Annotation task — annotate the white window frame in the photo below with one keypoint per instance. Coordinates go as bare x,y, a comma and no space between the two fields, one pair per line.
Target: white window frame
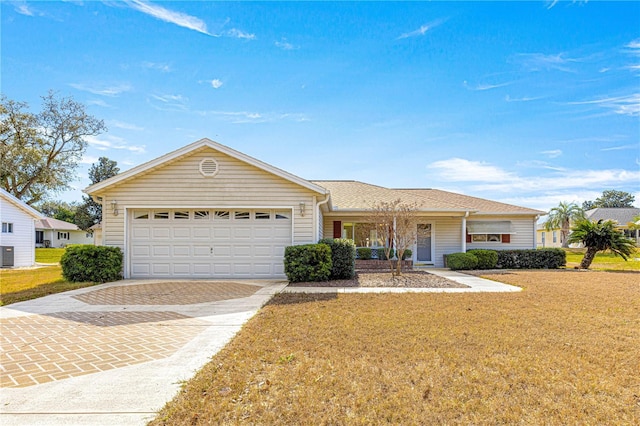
7,227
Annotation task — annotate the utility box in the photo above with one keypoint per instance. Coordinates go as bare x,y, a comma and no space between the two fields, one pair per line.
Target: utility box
7,256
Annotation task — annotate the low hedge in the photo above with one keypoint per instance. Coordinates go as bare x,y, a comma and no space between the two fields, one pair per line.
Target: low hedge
487,259
89,263
461,261
343,257
309,262
382,256
546,258
364,253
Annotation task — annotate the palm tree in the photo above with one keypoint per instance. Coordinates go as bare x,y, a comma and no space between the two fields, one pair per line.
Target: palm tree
599,236
562,217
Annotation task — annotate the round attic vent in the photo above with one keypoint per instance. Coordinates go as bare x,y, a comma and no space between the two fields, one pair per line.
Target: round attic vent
209,167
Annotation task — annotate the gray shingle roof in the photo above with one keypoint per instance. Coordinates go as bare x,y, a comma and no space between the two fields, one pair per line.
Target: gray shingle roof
621,215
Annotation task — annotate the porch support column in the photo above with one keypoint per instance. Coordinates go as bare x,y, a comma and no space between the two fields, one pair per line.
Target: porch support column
463,234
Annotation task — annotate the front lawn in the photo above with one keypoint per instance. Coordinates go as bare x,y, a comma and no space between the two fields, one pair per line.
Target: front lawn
604,260
563,351
30,283
49,255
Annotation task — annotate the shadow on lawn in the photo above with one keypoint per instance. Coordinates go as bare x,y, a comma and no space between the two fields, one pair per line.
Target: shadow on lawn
296,298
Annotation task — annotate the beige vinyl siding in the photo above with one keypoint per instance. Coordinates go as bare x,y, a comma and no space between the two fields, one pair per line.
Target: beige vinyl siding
448,238
180,184
522,239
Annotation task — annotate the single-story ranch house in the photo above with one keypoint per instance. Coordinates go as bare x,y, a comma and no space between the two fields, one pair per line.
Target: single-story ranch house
58,233
208,211
17,239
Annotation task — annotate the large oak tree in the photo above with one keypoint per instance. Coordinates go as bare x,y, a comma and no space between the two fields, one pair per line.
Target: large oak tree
39,153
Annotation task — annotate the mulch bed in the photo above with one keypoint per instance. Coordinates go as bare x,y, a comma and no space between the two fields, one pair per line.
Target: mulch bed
408,279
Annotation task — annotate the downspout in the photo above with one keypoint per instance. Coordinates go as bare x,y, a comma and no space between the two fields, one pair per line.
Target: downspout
535,232
464,232
316,228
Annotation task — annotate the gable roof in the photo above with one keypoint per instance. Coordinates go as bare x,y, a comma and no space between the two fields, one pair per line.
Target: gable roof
59,225
350,195
188,149
622,215
10,198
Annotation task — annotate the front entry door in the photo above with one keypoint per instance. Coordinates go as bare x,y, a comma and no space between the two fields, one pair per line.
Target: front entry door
424,243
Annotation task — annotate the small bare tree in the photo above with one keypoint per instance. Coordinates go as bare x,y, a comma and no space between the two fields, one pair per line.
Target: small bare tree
395,223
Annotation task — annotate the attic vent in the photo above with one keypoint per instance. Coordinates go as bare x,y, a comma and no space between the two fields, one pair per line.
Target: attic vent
209,167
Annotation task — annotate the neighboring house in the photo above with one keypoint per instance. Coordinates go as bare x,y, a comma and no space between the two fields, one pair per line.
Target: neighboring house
208,211
546,239
622,215
17,238
58,233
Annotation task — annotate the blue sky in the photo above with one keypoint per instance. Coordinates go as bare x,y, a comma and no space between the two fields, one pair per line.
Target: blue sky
530,103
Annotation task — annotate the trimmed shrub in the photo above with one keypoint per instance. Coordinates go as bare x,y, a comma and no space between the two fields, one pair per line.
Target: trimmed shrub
383,256
88,263
343,258
364,253
309,262
546,258
461,261
407,254
487,259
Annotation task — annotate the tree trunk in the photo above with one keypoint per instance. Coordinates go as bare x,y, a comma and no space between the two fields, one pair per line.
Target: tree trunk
588,258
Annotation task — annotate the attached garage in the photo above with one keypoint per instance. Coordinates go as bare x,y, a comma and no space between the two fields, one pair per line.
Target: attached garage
209,242
207,211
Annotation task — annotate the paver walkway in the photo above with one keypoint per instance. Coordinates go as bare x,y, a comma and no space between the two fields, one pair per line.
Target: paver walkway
115,353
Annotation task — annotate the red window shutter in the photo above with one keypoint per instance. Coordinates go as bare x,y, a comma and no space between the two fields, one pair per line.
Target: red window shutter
337,229
506,238
468,236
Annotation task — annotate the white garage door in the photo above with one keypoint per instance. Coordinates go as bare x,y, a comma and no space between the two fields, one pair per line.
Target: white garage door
208,243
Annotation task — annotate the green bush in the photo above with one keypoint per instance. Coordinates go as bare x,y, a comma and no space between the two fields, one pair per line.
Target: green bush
407,254
343,258
487,259
364,253
383,256
461,261
89,263
309,262
546,258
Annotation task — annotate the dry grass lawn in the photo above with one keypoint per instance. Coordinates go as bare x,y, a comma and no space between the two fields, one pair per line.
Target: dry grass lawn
563,351
17,285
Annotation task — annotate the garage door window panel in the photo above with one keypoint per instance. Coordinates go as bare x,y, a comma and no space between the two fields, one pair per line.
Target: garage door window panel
201,215
140,215
161,215
242,215
263,215
181,215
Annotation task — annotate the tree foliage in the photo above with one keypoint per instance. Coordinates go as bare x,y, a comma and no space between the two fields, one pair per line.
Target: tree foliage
39,153
611,199
599,236
396,224
561,217
89,212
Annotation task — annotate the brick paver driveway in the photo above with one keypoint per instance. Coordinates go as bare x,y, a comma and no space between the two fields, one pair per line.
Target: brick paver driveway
114,354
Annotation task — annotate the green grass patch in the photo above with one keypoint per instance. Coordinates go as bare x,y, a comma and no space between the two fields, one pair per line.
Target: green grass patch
49,255
25,284
606,261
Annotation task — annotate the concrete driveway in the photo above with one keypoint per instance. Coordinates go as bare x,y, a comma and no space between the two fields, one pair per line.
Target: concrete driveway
115,353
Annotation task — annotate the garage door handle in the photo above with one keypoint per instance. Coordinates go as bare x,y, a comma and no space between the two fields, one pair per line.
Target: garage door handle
211,250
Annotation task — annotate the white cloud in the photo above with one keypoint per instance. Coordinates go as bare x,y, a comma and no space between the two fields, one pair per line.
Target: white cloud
173,17
461,170
541,61
553,153
169,102
555,185
88,159
23,8
422,30
157,66
236,33
124,125
620,147
242,117
285,45
634,44
107,142
623,105
216,84
523,99
111,91
485,86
